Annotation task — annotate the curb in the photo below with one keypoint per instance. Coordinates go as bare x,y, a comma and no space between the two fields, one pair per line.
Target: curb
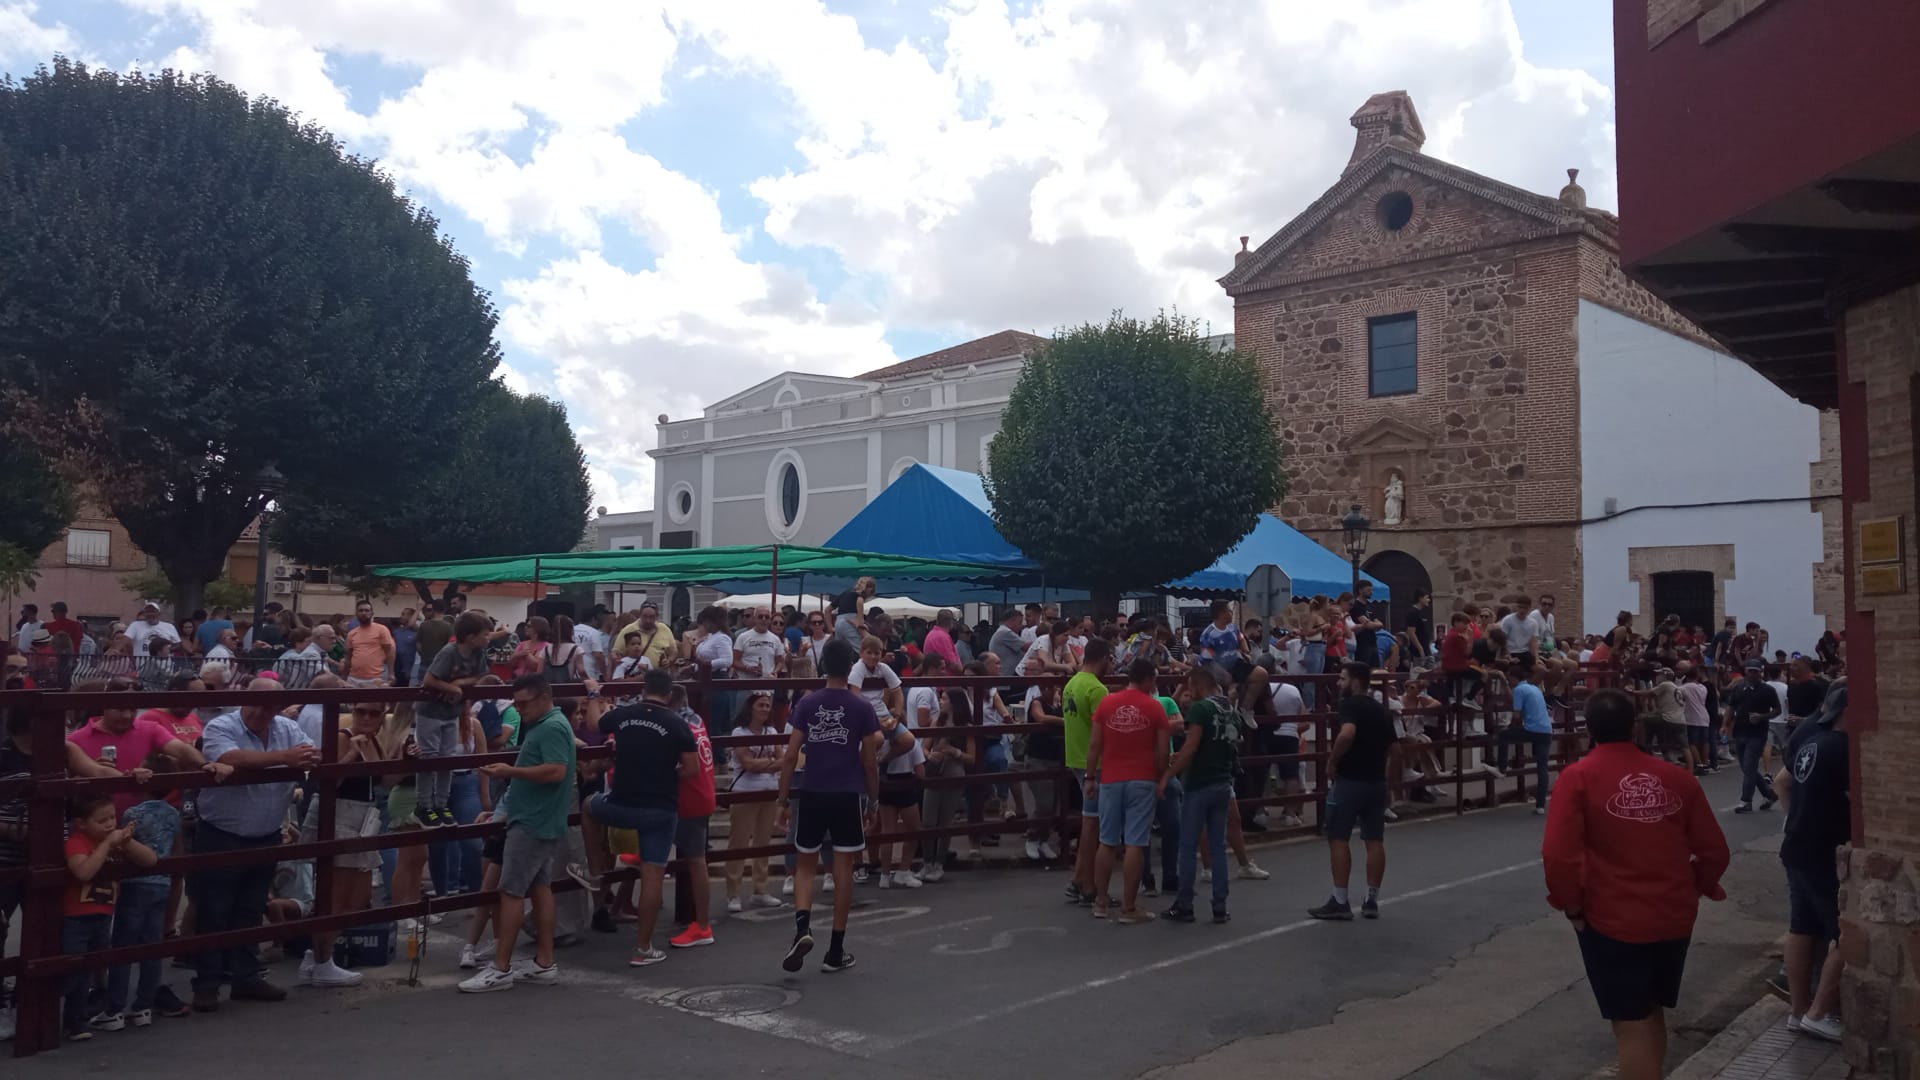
1714,1057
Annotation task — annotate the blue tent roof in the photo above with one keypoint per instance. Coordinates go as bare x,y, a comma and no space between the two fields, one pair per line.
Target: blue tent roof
937,513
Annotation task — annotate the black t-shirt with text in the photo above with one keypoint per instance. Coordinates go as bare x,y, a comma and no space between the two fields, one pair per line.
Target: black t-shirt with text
1366,647
648,739
1753,704
1366,759
1420,624
1819,811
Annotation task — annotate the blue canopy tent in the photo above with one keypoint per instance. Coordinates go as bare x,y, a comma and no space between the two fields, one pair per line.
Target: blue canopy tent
936,513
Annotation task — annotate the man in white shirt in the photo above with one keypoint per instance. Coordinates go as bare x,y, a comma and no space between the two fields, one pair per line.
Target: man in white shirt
147,626
757,650
29,625
1523,629
590,634
1777,728
1286,740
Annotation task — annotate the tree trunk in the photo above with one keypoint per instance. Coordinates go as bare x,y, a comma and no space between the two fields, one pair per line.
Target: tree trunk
1105,601
189,593
424,589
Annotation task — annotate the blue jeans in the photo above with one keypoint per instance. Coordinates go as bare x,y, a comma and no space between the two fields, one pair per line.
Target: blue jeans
1750,748
1316,661
140,918
1204,808
1541,743
1167,813
455,864
81,934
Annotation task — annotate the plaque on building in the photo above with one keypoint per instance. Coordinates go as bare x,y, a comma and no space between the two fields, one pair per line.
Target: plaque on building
1882,540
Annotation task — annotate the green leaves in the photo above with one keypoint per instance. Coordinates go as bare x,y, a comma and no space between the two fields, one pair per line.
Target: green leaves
1132,454
36,504
194,285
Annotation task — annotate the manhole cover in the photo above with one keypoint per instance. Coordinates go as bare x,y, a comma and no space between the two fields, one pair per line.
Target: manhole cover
743,999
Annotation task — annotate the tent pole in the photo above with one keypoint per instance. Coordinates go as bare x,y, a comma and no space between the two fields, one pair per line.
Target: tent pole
536,579
773,593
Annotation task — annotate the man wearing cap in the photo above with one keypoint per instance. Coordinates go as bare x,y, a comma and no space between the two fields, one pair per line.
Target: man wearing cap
1751,706
147,626
657,642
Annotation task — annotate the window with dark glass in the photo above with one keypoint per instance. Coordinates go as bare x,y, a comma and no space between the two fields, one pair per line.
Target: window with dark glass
789,494
1391,356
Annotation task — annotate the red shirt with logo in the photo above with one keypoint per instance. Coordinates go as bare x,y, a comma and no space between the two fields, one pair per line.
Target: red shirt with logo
1632,845
1130,722
697,799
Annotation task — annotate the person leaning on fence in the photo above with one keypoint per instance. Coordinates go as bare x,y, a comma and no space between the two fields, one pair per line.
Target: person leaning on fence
539,798
241,817
1631,846
436,719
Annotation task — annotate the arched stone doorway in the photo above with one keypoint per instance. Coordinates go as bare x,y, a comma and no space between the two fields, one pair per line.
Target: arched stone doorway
1405,577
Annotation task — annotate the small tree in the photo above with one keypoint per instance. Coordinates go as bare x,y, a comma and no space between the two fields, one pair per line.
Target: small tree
1132,454
515,483
195,286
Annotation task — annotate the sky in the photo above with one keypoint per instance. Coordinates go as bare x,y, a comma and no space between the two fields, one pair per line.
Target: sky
672,200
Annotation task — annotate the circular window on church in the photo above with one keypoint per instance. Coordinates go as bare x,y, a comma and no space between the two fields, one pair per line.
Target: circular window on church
1395,210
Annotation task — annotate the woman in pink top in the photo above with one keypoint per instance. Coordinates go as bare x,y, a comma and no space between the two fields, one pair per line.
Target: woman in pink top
118,739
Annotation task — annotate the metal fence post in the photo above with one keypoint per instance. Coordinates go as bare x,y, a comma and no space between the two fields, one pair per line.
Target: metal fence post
38,997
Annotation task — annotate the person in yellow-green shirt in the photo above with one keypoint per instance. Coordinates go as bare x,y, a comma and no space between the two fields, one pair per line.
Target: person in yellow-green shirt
657,642
1082,696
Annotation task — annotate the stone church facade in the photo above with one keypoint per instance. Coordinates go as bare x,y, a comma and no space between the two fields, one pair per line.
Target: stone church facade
1425,328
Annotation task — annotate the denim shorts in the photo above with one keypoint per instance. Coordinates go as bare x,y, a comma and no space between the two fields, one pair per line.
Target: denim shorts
1089,808
654,827
1126,812
1356,802
1813,899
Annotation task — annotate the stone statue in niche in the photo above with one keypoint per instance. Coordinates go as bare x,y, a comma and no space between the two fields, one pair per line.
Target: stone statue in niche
1394,505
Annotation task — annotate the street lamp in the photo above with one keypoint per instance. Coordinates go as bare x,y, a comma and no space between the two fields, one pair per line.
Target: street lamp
268,482
1355,526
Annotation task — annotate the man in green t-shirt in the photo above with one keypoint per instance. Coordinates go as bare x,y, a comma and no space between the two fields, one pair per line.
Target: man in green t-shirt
1082,696
539,797
1205,767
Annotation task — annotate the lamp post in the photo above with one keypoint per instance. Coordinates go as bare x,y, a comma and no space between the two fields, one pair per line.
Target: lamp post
269,483
1355,526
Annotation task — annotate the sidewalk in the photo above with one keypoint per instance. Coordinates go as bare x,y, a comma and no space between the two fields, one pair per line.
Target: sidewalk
1758,1046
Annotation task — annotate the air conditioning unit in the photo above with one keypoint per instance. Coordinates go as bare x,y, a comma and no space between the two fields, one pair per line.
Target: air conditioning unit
281,571
282,588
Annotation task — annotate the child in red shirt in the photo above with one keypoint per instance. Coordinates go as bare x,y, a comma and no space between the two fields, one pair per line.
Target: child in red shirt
95,838
1631,846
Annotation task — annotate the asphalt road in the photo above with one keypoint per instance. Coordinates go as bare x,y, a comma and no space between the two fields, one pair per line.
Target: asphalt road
1466,975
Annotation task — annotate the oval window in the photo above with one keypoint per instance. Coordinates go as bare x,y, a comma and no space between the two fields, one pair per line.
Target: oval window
789,493
686,503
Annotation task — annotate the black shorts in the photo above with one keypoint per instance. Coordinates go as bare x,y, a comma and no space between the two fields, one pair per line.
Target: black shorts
1356,802
493,848
900,791
1522,664
823,817
1630,981
1813,899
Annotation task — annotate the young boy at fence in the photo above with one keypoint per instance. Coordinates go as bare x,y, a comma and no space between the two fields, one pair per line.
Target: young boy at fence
436,721
139,916
95,838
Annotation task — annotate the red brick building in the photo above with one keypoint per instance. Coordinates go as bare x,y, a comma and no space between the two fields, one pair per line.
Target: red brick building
1424,329
1770,183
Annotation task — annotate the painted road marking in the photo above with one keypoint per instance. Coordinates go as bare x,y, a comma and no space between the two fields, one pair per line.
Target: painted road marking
895,939
1002,940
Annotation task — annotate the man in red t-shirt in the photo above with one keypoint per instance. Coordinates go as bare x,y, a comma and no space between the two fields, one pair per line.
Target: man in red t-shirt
1127,753
1631,847
61,624
697,803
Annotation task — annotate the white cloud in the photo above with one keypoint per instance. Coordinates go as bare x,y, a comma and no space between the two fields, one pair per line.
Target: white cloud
1024,165
23,38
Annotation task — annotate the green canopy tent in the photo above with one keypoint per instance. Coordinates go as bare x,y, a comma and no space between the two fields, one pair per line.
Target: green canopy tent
732,568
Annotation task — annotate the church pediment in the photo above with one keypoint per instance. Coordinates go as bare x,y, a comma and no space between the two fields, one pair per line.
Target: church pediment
1388,435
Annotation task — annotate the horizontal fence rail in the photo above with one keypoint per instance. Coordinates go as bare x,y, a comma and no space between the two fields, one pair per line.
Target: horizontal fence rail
48,790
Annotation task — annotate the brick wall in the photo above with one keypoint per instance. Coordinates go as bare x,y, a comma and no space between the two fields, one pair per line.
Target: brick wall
1880,898
1489,444
1829,574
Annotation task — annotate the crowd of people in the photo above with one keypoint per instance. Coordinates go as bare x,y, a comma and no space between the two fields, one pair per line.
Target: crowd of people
838,766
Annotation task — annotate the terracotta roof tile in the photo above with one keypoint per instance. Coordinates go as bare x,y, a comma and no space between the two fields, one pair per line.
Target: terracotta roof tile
978,351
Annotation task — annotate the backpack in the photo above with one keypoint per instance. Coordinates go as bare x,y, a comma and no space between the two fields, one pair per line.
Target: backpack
559,669
1234,724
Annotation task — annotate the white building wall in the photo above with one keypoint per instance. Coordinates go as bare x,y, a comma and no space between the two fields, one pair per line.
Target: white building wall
1666,422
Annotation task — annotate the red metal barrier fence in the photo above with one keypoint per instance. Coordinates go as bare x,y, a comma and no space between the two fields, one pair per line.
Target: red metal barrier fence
41,967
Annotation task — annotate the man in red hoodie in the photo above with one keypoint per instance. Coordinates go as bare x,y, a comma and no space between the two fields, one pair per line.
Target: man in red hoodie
1631,847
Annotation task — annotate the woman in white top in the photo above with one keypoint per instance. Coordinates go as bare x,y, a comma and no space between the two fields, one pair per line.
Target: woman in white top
1050,654
756,768
805,663
712,653
904,765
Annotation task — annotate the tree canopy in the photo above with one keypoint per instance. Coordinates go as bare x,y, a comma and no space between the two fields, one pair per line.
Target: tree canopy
36,504
515,482
1132,453
195,286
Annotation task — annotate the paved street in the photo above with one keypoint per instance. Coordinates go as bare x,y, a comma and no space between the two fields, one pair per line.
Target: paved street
1467,975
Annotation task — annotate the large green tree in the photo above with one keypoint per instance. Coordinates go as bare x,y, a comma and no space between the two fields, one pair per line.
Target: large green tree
1132,453
515,482
36,503
195,286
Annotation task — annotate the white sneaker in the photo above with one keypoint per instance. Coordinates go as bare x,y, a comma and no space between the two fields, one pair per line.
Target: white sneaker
1251,872
1793,1022
762,900
786,887
1206,875
1291,821
532,972
886,880
1539,811
1048,851
468,959
1822,1027
330,974
1412,775
1391,816
140,1018
826,882
905,879
306,968
1033,850
734,905
933,872
7,1023
488,980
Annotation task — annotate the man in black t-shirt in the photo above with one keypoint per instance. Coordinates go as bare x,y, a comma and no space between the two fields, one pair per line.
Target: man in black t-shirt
1751,705
1814,783
1359,792
652,746
1805,692
1420,629
1366,647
